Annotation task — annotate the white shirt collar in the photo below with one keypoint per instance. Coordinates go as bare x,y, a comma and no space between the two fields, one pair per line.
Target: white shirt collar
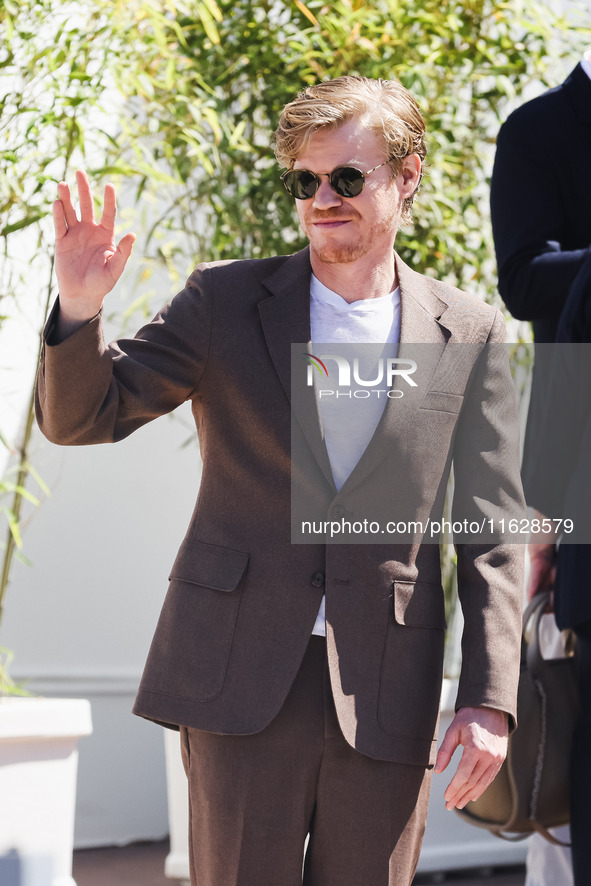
322,293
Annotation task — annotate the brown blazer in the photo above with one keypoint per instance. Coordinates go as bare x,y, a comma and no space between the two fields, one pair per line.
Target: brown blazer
242,598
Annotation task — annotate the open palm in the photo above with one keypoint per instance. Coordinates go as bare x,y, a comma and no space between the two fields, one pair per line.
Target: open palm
88,261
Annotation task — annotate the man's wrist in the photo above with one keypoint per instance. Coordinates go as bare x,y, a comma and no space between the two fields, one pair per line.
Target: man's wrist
68,322
494,717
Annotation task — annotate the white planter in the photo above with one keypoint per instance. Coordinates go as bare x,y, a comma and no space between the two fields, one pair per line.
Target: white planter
38,766
450,843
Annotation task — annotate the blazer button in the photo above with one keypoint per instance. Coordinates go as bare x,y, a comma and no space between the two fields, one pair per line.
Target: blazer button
317,580
338,511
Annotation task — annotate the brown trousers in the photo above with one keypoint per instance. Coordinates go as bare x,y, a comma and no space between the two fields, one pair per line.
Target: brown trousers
253,799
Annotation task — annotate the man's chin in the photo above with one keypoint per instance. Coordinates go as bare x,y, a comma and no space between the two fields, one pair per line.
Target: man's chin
337,254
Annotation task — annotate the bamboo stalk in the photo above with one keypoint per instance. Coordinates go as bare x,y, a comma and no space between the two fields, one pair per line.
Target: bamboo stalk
23,459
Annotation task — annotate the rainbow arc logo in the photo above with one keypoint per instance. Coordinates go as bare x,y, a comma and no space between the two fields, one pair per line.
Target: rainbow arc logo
317,363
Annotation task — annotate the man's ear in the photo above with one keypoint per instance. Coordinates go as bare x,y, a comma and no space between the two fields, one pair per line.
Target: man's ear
411,174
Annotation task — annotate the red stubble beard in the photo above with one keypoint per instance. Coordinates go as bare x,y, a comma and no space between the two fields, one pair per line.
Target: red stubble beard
359,240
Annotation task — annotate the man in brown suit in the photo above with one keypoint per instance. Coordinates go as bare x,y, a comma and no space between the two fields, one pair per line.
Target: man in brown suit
305,678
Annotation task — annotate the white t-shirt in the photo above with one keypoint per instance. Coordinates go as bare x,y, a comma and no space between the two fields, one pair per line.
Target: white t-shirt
348,424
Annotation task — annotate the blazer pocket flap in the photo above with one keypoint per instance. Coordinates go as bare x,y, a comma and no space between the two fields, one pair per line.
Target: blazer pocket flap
418,604
442,402
211,566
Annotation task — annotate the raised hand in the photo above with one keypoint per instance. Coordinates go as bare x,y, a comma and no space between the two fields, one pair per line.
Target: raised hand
88,262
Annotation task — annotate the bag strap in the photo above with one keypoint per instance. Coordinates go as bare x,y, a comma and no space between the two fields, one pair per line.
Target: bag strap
540,829
548,836
510,838
535,664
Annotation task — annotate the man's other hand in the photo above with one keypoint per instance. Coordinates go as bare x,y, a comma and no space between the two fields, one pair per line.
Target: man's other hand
483,734
88,261
542,559
542,569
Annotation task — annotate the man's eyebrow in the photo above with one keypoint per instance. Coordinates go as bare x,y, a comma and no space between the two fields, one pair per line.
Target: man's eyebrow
358,164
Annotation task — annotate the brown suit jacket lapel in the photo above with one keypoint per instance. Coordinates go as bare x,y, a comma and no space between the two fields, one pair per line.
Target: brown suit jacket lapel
426,320
285,317
421,322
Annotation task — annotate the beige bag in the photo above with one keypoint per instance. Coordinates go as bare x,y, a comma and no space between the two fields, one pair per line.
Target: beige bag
531,792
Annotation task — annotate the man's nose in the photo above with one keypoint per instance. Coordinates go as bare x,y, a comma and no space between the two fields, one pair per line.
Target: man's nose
325,197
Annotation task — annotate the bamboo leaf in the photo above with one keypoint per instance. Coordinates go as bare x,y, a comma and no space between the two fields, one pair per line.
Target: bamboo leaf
215,10
212,118
22,491
209,24
40,482
12,525
3,439
305,11
22,224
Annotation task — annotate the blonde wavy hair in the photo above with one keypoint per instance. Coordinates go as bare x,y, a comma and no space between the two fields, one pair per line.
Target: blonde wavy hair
383,106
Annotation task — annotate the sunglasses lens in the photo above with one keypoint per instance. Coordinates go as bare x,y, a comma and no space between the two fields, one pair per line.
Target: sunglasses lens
301,183
347,181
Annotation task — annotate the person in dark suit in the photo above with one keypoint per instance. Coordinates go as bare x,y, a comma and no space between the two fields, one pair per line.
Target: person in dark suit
540,196
560,487
540,204
305,678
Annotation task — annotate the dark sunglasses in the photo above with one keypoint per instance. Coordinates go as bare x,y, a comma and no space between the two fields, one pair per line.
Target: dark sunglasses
347,181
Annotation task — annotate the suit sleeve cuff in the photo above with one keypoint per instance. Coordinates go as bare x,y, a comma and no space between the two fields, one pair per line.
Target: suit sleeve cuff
50,333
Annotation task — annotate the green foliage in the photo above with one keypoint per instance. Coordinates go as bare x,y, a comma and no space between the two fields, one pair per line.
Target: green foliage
53,62
207,109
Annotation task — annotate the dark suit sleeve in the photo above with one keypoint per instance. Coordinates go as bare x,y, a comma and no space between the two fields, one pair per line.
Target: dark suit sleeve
528,216
90,392
561,453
